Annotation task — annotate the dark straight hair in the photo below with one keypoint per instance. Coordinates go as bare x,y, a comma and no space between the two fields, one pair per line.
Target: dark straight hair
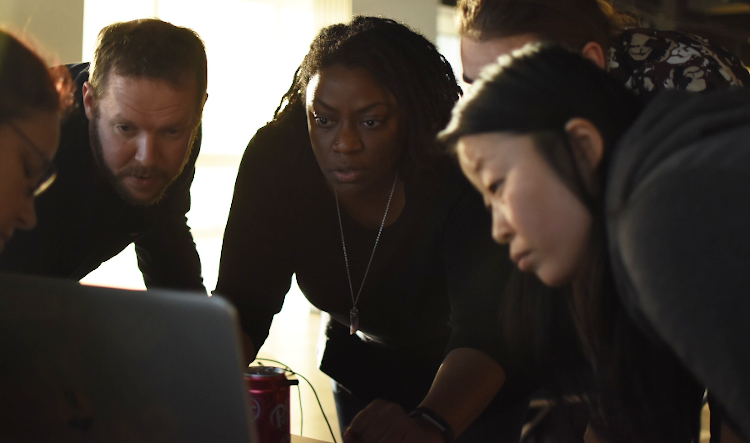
635,389
536,91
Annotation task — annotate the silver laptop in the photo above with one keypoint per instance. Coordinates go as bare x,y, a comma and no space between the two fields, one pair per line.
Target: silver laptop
84,364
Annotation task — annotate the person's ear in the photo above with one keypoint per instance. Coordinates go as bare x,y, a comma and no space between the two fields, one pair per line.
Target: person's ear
586,141
594,52
89,102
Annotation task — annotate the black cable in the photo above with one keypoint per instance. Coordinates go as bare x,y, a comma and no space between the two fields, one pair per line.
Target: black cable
320,405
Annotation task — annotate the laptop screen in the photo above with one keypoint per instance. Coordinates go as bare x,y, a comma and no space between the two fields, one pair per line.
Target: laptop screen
85,363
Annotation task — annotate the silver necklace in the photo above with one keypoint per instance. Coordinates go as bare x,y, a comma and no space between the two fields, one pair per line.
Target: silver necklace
354,313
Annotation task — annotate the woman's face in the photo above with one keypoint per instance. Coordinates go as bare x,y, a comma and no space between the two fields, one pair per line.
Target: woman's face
26,147
545,224
355,130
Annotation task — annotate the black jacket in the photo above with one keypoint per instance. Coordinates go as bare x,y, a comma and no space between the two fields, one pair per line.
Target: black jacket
678,212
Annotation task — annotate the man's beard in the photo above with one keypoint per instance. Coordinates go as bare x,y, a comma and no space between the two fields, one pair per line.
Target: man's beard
136,170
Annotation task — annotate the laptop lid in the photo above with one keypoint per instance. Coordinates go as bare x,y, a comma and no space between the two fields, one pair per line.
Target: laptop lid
85,363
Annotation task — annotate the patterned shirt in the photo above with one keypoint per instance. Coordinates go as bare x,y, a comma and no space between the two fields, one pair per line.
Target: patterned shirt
648,61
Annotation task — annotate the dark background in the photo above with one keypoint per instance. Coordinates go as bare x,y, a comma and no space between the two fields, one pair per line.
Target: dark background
724,22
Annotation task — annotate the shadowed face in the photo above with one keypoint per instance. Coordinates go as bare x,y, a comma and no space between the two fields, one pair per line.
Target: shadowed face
355,129
26,148
141,131
545,224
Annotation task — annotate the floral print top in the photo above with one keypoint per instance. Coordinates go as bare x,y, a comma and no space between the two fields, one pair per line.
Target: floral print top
648,61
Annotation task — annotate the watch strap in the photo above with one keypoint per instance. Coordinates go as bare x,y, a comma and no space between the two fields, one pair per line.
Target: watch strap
434,419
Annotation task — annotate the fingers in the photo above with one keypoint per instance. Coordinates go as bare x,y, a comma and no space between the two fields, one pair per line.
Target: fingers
372,422
386,422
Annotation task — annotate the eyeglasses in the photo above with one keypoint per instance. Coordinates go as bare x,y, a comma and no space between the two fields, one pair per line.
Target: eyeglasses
49,173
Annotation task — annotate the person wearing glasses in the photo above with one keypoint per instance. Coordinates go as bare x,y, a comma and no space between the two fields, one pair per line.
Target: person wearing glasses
125,161
31,100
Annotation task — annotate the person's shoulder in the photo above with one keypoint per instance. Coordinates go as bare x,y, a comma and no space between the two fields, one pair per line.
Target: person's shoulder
279,146
700,115
650,38
75,123
78,68
650,60
79,72
676,130
278,137
274,133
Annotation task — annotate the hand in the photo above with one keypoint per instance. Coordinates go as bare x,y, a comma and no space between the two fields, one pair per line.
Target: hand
386,422
591,436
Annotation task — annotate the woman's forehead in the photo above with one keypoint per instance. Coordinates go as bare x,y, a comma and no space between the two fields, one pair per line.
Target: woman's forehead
355,87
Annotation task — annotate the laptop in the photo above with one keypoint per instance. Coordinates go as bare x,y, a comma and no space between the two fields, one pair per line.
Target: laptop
91,364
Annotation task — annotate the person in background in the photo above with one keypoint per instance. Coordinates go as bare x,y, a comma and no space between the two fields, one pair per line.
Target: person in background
644,60
32,99
643,213
125,161
347,189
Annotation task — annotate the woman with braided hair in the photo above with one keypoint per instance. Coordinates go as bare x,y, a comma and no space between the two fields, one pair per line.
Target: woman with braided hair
346,187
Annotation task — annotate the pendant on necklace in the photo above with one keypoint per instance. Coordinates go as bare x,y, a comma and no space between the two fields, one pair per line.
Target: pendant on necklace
353,321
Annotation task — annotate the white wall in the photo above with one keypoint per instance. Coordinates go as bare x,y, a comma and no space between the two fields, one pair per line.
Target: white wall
421,15
56,24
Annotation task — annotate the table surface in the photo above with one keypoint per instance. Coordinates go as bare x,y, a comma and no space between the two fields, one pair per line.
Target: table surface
298,439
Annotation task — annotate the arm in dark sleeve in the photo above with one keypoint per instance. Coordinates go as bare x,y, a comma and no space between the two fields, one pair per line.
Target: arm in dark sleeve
684,245
167,256
477,271
255,270
475,369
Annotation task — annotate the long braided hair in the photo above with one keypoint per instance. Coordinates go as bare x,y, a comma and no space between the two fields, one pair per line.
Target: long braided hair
403,61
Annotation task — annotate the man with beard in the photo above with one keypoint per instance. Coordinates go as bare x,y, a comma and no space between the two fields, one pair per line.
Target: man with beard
126,161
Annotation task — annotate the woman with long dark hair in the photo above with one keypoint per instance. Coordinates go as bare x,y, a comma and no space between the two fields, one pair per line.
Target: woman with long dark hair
643,213
346,187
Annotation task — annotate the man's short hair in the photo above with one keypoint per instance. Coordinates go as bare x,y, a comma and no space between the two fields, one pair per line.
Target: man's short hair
150,48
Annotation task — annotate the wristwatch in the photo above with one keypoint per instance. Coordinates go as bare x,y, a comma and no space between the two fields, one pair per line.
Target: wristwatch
432,417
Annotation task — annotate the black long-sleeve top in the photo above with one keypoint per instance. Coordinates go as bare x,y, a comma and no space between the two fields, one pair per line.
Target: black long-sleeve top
82,222
678,212
434,285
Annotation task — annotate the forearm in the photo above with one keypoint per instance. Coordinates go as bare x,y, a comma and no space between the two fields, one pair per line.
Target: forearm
465,384
167,258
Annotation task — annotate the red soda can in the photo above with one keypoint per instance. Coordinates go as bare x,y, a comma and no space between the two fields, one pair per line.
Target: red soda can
269,399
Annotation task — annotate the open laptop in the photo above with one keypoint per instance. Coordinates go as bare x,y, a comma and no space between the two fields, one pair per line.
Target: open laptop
84,364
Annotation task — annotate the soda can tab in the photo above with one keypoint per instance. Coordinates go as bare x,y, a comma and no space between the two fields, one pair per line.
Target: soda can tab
269,399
